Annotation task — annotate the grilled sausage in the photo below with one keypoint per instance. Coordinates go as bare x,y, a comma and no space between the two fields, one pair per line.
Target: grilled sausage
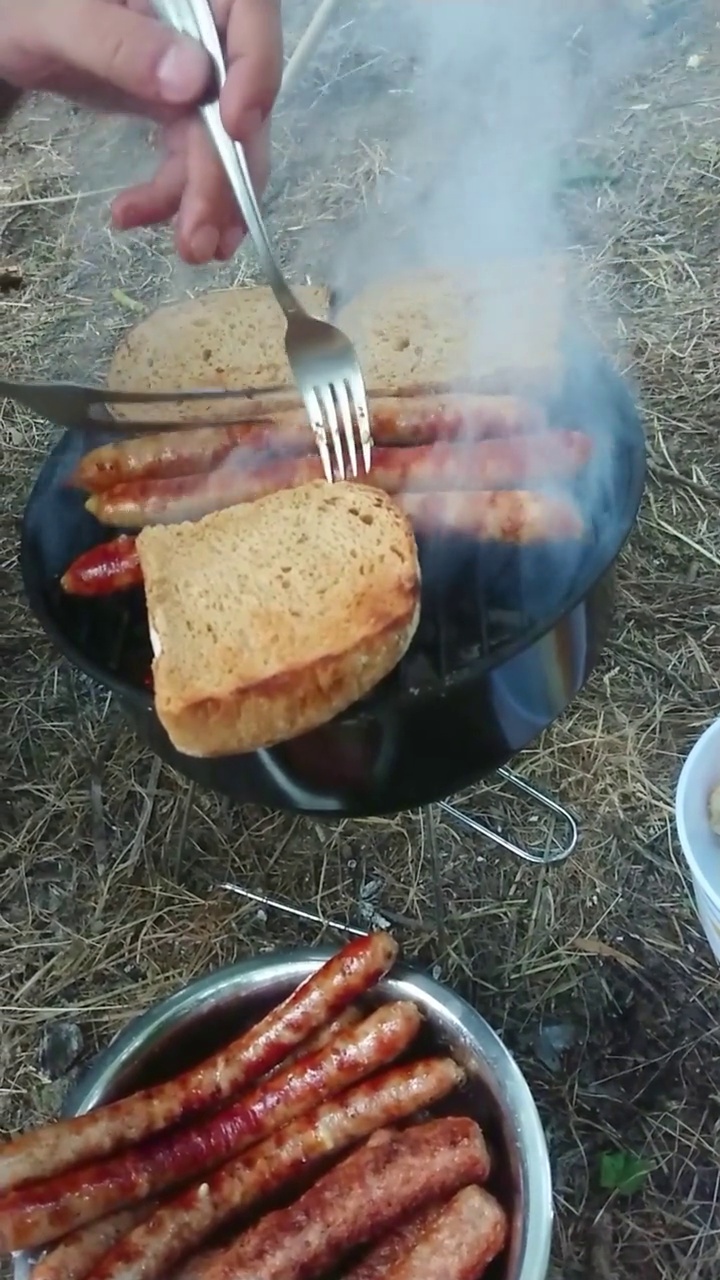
513,516
75,1256
165,454
340,982
425,419
348,1018
491,464
181,1225
82,1195
356,1202
395,420
459,1244
393,1247
194,1267
111,566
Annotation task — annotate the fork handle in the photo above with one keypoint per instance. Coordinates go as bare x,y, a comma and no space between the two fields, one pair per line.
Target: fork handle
196,18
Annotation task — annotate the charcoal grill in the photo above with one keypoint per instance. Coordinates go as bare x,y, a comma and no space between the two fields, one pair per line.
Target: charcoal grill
507,639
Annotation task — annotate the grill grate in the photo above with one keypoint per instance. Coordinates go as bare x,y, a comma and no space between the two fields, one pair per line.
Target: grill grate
470,615
480,602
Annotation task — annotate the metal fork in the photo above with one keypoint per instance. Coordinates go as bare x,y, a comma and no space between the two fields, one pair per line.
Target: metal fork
70,404
323,360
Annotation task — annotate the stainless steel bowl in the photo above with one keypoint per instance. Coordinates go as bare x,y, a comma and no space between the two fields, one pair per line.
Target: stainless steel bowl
186,1027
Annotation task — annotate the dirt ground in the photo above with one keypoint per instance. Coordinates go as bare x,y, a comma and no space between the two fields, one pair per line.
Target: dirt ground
595,972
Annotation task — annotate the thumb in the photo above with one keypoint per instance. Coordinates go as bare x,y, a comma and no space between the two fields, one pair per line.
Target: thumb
132,52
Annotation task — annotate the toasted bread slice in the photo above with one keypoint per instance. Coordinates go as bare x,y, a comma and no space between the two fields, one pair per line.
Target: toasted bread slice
270,618
499,329
231,338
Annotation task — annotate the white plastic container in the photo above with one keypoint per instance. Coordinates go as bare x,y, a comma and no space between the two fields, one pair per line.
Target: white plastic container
699,776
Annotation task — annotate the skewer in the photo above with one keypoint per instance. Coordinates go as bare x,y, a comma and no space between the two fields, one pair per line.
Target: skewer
307,44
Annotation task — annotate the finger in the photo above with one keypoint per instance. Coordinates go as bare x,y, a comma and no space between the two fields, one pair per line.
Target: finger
254,46
92,92
151,202
257,150
130,51
229,243
208,207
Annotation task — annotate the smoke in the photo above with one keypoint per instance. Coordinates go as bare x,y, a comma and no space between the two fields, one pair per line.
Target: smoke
499,95
500,92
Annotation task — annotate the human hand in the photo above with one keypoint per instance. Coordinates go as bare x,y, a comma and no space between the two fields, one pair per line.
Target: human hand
113,55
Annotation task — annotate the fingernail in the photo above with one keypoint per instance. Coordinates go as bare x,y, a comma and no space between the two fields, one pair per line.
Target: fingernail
183,71
204,243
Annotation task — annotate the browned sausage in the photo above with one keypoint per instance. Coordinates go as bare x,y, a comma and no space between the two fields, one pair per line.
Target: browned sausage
348,1018
514,516
165,454
459,1244
396,420
357,1202
111,566
396,1245
194,1267
82,1195
75,1256
181,1225
340,982
424,419
491,464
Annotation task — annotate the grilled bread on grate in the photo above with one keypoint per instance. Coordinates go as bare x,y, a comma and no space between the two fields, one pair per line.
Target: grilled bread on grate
498,329
231,338
270,618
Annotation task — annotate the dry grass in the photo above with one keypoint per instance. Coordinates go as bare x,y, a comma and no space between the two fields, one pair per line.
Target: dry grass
109,867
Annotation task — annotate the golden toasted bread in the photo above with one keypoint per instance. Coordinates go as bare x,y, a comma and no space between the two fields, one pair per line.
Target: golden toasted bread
268,619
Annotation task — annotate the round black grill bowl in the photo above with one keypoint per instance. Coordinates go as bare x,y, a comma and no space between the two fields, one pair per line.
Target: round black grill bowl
507,638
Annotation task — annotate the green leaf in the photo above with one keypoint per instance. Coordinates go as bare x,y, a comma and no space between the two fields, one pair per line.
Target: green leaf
622,1172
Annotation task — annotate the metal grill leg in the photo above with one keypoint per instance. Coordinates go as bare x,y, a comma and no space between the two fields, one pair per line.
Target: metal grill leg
541,857
296,913
429,819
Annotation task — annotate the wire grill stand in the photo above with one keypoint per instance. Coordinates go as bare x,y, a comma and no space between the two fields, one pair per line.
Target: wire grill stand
541,857
550,855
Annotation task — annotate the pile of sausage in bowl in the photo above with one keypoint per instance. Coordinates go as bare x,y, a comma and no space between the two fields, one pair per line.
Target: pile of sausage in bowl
303,1116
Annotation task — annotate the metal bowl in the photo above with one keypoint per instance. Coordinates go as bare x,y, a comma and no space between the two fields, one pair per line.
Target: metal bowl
188,1026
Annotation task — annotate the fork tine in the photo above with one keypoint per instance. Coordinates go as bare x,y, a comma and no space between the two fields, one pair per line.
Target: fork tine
328,404
317,422
358,396
343,403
